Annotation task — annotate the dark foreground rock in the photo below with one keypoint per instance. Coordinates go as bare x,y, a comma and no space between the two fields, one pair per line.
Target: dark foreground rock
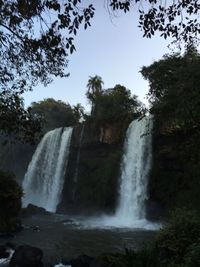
80,261
27,256
31,210
3,252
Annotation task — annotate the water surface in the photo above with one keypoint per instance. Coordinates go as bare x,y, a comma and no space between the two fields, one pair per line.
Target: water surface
60,236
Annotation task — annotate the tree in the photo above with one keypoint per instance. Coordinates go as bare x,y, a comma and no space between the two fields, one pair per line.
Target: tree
54,114
10,203
94,90
175,90
116,105
41,33
176,19
78,111
15,121
36,36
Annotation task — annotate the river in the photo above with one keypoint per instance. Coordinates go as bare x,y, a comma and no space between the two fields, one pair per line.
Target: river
60,236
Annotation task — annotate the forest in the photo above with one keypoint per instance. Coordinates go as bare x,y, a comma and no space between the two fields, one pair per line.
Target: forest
98,137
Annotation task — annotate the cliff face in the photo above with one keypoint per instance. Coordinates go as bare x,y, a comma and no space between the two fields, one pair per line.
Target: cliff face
91,182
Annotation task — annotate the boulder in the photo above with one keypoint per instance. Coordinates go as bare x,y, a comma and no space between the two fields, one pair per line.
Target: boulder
3,252
27,256
33,210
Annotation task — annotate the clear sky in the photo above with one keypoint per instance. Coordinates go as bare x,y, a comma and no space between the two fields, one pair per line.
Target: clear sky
111,48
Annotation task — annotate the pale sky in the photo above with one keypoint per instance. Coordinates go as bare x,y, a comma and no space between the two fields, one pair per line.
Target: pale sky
111,48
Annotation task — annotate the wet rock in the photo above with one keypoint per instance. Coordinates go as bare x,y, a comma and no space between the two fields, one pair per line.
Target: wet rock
33,210
27,256
3,252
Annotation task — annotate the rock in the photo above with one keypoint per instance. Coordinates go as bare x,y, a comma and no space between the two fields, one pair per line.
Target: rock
10,245
81,261
100,261
3,252
33,210
154,210
27,256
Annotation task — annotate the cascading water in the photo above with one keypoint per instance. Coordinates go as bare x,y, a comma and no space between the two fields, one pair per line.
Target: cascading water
135,167
75,179
78,154
43,181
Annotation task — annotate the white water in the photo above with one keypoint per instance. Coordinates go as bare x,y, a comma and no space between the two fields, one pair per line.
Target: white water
43,181
5,261
135,167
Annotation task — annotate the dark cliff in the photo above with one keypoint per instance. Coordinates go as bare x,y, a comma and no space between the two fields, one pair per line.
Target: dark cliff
91,182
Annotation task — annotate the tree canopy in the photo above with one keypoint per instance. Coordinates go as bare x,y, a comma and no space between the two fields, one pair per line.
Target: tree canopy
54,114
175,89
15,120
36,37
176,19
117,105
95,89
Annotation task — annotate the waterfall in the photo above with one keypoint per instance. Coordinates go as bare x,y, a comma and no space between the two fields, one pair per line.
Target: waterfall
79,153
75,179
135,167
43,181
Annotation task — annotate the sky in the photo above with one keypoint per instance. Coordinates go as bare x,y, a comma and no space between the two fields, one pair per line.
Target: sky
113,48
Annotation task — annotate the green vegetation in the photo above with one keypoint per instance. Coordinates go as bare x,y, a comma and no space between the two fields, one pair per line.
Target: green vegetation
175,102
175,90
116,105
44,51
10,203
98,174
55,114
112,110
176,245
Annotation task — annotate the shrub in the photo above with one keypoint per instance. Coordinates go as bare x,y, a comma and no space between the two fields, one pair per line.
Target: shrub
10,203
173,241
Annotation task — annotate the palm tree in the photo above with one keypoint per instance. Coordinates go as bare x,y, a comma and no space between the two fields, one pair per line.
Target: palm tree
95,88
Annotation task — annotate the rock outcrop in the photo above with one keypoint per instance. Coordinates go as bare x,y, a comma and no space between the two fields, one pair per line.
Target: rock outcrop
91,182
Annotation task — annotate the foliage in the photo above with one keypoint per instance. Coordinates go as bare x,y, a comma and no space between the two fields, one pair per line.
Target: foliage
116,105
54,113
174,178
79,113
192,258
15,121
175,90
35,37
141,258
94,90
98,172
173,240
10,203
177,19
43,51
